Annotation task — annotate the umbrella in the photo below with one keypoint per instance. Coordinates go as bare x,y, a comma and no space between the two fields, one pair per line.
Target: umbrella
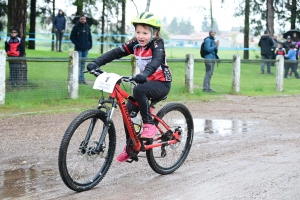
90,21
291,33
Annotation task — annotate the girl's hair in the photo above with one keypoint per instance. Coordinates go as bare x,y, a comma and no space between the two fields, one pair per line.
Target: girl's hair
146,26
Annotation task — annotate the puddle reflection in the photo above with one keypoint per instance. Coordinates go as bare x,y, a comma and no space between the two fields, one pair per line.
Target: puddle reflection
16,183
221,127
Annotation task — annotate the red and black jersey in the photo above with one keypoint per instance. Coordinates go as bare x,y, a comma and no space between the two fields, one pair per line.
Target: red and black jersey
15,47
280,51
151,59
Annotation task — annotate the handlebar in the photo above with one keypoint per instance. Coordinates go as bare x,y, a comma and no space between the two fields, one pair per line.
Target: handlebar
98,71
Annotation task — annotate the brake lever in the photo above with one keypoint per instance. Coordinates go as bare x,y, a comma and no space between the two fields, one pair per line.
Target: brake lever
129,79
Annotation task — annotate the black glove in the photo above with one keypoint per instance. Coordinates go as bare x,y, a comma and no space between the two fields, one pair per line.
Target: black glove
140,78
91,66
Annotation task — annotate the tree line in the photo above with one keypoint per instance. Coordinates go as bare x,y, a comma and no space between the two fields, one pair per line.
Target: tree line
258,15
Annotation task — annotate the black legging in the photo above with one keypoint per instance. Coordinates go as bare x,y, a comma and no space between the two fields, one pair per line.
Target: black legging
142,93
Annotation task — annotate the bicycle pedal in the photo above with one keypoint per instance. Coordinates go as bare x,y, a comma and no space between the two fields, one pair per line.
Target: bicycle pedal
132,159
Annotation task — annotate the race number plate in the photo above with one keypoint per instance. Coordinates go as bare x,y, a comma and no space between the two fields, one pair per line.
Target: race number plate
106,82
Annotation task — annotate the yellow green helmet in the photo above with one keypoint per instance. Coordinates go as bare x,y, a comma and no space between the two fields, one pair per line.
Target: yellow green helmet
147,18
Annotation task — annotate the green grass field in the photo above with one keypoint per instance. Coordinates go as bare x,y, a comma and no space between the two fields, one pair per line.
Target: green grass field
47,82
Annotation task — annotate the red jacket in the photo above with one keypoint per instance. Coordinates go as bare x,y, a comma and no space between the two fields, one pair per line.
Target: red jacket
150,59
280,51
15,47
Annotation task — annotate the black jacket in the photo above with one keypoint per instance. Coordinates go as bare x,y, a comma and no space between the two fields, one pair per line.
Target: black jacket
286,45
81,37
266,43
59,22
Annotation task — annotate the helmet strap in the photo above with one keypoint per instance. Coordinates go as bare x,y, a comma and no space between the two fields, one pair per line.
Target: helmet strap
152,32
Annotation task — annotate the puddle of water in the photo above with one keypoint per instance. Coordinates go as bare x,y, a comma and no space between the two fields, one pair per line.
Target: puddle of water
221,127
16,183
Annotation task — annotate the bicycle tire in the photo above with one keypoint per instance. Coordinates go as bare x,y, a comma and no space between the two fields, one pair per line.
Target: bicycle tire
79,168
175,115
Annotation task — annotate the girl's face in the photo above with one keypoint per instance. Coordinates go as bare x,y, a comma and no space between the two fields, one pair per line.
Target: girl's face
143,34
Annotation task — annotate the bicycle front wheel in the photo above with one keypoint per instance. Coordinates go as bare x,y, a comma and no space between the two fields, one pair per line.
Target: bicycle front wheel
81,165
167,159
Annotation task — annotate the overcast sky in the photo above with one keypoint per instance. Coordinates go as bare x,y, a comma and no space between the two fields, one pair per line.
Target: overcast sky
192,9
187,9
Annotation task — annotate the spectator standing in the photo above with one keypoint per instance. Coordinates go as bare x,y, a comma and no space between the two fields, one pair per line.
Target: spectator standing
286,45
275,46
81,37
266,43
280,50
211,48
59,24
298,46
15,47
295,38
292,56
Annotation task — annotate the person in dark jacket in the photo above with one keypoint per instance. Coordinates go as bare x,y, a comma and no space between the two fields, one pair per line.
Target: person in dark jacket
81,37
287,43
15,47
275,46
211,47
266,43
59,25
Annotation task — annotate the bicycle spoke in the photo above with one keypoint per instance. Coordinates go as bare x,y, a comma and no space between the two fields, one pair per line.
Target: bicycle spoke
84,165
167,159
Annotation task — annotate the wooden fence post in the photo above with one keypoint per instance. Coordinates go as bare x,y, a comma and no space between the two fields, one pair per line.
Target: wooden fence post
189,73
279,72
73,74
236,73
2,76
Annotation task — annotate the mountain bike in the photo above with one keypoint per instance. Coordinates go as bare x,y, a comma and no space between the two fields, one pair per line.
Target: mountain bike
88,146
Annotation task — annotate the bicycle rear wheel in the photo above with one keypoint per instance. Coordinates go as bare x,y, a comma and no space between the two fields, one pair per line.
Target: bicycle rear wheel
166,160
80,167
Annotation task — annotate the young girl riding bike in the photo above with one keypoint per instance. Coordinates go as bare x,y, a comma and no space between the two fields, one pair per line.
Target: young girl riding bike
154,78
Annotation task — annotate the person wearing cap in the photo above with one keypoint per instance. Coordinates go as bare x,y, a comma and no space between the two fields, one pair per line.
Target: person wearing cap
287,43
211,47
14,47
59,25
266,43
154,77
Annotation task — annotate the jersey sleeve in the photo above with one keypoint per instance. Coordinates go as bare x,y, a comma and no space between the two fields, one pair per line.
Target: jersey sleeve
116,53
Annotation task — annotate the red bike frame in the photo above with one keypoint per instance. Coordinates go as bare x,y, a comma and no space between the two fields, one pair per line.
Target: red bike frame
119,94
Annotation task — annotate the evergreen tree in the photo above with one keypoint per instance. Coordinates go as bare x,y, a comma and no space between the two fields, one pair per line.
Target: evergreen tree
185,27
173,27
206,25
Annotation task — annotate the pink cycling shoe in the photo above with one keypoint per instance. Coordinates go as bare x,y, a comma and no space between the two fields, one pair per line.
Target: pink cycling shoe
149,131
122,157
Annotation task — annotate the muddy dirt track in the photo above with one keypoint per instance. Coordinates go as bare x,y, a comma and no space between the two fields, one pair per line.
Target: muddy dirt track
244,148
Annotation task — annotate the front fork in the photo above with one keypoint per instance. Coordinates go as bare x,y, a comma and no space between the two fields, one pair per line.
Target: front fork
108,113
